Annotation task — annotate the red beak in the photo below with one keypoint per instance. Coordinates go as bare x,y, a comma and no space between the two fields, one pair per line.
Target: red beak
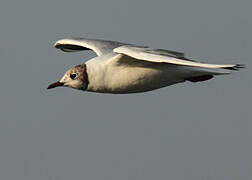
56,84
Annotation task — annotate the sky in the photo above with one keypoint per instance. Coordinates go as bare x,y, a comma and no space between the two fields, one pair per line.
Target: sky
192,131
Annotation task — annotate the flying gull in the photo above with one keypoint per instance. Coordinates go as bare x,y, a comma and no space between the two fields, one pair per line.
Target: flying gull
121,68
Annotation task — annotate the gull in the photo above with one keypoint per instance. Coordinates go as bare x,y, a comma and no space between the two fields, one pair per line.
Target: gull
121,68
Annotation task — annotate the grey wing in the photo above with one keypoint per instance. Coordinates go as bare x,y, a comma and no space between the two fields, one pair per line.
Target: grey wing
165,52
100,47
165,56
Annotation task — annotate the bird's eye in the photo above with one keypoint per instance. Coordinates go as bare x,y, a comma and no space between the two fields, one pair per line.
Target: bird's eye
72,76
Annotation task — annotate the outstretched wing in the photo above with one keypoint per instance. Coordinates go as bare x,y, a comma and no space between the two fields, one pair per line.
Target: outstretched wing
100,47
164,56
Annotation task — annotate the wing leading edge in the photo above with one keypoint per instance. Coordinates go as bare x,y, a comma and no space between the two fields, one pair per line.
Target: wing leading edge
153,55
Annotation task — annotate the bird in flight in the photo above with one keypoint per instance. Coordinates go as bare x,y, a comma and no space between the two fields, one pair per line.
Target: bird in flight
121,68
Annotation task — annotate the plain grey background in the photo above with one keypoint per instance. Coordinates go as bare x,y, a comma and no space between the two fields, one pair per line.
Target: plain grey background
188,131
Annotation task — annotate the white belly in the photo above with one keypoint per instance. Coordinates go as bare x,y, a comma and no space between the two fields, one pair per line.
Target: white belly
132,78
139,79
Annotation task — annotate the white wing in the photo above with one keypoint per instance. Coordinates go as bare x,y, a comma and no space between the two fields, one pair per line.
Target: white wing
100,47
163,56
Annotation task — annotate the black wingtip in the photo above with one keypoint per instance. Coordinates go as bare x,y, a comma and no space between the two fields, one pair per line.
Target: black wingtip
70,47
236,67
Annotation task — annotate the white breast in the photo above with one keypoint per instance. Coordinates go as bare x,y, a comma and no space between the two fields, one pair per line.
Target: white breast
111,77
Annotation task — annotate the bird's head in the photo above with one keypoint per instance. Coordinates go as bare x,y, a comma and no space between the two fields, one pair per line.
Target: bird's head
76,78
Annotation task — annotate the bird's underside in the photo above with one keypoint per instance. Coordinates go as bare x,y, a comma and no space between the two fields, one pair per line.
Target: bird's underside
126,68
